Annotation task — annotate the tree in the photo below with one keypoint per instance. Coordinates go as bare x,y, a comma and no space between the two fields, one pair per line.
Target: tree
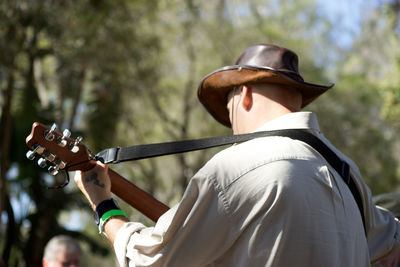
40,51
359,103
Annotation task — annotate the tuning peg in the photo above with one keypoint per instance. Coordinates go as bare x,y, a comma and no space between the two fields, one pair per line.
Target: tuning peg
53,170
49,156
42,163
32,153
74,146
49,135
62,141
59,165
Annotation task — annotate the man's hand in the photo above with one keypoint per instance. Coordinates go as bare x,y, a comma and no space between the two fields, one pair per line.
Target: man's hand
391,260
94,184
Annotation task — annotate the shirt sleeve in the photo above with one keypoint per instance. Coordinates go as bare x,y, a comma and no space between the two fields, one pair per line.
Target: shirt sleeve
383,229
192,233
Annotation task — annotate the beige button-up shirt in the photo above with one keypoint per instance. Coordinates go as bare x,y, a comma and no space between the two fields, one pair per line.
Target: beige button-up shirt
271,201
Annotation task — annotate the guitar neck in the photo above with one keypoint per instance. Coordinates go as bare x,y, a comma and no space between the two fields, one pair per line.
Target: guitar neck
136,197
47,141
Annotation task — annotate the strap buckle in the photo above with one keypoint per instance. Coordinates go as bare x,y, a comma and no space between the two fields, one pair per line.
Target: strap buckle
108,156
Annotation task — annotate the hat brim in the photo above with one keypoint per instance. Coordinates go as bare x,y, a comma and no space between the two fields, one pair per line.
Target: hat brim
215,87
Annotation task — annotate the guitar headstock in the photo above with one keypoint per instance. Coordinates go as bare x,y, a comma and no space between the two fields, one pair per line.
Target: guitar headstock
58,149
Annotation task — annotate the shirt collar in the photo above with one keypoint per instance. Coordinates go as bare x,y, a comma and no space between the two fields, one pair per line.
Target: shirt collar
295,120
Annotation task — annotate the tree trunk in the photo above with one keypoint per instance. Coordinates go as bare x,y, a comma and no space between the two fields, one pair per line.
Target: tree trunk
77,98
6,139
41,220
12,233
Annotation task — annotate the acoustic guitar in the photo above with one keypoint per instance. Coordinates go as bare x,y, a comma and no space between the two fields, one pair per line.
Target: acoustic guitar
64,153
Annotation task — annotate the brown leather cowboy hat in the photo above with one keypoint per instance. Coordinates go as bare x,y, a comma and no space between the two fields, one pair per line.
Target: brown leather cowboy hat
262,63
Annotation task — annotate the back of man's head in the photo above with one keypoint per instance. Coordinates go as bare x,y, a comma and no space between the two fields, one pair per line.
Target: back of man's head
62,250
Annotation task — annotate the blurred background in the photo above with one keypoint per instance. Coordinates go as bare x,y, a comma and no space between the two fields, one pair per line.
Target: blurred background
125,72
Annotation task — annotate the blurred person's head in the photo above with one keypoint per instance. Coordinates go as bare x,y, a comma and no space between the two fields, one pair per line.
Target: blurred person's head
62,251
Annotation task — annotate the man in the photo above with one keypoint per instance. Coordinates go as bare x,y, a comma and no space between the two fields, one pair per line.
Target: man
62,251
270,201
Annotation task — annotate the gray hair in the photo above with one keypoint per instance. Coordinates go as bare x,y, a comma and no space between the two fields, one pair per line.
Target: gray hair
60,243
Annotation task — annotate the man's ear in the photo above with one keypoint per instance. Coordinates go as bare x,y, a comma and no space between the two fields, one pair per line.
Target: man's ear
246,99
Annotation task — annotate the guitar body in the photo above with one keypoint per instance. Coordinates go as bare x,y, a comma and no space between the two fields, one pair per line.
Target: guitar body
65,153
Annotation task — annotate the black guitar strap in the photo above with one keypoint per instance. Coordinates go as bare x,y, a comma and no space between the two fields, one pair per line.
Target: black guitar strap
120,154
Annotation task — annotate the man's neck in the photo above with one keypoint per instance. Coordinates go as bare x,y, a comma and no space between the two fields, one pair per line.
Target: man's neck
256,121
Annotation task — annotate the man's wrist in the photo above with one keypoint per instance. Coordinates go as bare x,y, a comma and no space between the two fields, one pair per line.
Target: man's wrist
112,226
105,210
96,202
109,215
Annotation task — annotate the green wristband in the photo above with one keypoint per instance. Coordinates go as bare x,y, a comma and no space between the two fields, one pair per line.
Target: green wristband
107,215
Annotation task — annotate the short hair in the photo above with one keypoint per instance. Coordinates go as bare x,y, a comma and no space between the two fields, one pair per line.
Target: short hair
60,243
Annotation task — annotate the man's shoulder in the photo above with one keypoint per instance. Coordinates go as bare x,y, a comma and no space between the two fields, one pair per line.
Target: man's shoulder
239,158
268,148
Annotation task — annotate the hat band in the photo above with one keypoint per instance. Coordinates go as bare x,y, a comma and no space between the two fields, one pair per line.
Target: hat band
257,68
